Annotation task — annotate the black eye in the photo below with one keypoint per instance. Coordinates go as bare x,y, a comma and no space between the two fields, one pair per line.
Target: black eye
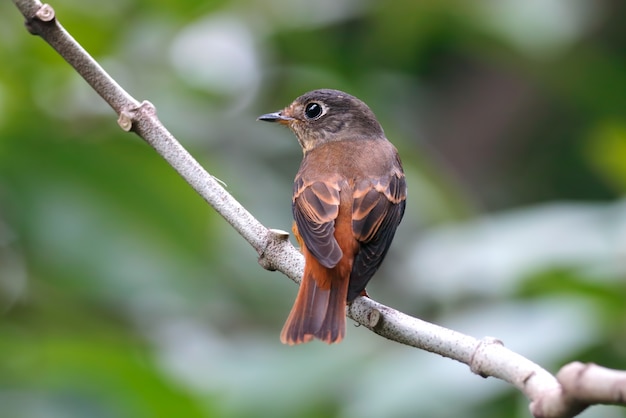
313,110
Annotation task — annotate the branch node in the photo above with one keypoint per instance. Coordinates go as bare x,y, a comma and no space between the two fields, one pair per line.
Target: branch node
275,237
477,360
125,120
130,115
375,317
45,13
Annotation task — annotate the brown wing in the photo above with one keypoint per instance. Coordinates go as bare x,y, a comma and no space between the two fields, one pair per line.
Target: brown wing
378,208
315,207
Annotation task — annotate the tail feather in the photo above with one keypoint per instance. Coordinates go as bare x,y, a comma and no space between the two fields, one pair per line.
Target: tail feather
317,312
333,327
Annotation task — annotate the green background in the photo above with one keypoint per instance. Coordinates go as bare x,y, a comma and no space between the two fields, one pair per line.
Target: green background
122,294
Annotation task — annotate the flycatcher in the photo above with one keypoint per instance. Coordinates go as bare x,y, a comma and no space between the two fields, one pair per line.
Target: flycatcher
348,199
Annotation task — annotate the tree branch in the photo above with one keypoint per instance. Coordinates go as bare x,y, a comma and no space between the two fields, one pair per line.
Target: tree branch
576,385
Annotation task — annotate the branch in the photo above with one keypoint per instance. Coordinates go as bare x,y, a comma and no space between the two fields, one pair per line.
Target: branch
593,384
577,386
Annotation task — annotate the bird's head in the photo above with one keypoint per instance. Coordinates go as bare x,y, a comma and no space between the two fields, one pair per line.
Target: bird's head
322,116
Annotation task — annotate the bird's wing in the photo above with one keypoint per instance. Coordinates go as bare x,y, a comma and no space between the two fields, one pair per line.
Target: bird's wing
378,207
315,208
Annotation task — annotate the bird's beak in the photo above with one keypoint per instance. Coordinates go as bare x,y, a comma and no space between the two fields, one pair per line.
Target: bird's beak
276,117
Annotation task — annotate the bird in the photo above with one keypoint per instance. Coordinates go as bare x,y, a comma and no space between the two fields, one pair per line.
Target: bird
349,196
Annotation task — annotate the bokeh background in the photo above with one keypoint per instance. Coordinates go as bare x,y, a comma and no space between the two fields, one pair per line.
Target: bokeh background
122,294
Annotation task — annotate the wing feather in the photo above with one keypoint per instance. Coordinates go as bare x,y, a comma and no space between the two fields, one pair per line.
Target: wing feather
315,208
377,211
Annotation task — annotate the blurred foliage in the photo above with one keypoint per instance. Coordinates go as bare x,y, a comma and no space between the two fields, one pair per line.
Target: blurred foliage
123,295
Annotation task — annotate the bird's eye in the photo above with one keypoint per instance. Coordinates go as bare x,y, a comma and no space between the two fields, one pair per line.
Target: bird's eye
313,110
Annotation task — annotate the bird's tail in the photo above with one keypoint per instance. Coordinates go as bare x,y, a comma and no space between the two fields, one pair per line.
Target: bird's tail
320,308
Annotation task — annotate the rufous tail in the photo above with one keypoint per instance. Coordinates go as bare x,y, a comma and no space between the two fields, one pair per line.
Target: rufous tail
319,311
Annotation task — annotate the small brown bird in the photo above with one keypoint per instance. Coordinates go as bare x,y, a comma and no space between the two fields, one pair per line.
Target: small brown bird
348,199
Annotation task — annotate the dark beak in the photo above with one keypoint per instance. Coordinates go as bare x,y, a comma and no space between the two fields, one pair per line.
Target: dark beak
275,117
